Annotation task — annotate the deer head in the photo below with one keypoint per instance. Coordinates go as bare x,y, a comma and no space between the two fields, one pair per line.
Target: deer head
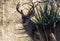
30,12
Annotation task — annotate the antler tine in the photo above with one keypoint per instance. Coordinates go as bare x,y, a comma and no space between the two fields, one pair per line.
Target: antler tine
17,8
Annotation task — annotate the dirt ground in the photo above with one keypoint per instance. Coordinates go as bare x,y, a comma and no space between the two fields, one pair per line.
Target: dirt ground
11,28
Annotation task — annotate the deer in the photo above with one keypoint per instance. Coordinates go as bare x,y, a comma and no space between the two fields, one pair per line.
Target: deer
28,24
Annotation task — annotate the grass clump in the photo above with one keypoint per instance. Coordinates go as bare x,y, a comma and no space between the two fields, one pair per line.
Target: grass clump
46,16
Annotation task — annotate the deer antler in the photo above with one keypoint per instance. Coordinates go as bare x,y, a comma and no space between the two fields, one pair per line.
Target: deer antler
17,8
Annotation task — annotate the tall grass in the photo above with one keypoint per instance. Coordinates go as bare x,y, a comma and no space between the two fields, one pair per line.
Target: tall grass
45,17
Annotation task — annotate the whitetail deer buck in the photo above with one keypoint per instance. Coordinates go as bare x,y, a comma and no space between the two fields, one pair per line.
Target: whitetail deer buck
30,26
